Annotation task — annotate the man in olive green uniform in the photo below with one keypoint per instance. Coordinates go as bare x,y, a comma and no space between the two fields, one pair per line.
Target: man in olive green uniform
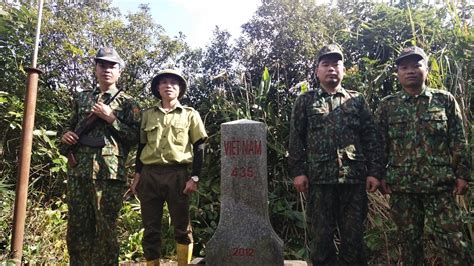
172,140
334,154
427,159
95,185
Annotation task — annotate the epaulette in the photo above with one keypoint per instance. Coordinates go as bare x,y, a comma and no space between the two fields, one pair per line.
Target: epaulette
86,91
438,91
124,95
388,97
352,92
188,107
150,107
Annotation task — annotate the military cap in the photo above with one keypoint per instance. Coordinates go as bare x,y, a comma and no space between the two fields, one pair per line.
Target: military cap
330,49
411,51
110,55
168,72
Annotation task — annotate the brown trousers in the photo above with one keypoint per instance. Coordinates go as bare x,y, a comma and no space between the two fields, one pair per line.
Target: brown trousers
159,184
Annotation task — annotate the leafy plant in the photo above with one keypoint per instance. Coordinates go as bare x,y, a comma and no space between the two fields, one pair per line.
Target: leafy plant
258,77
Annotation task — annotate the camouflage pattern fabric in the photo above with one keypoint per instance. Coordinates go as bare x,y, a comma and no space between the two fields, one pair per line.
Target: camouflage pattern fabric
409,210
93,208
96,185
425,143
108,162
333,138
334,142
333,208
426,150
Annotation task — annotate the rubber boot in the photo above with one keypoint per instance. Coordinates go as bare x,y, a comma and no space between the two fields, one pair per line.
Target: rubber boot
184,252
153,262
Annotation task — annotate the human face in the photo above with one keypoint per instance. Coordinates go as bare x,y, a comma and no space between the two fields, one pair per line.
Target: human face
168,87
107,73
330,71
412,72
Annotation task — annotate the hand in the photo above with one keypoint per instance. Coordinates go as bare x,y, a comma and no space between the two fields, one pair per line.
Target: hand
384,188
136,180
104,111
191,187
460,186
69,138
371,184
301,183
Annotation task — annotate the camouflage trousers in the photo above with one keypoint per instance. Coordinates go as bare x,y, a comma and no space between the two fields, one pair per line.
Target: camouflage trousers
439,212
337,210
93,208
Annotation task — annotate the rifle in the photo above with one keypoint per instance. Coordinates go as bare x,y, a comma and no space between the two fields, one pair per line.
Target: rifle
128,195
89,123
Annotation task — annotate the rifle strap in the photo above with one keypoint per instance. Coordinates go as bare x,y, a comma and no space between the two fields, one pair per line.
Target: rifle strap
104,97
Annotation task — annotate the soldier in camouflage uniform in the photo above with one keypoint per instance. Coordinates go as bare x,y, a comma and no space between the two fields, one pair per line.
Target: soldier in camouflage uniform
334,154
96,184
427,158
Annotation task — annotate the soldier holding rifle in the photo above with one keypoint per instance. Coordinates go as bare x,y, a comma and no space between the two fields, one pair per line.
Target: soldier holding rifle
102,128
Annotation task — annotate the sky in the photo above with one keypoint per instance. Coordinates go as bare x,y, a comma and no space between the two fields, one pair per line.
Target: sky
195,18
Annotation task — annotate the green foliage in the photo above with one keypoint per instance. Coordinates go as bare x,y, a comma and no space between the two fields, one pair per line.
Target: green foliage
45,228
131,232
7,196
258,77
45,233
13,43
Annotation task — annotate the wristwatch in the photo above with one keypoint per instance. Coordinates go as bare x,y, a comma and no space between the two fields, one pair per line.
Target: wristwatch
195,178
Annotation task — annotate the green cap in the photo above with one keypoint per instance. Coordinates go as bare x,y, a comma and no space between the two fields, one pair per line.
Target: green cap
110,55
328,50
412,51
168,72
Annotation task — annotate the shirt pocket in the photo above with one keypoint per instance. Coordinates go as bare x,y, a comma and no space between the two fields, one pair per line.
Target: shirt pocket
179,130
435,122
351,117
354,165
321,168
398,126
84,109
118,110
318,130
317,118
152,134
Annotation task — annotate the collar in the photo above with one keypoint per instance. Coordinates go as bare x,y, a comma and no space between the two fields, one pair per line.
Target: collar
178,105
112,91
425,92
339,91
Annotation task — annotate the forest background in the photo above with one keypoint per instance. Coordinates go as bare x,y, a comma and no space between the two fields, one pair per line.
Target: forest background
257,76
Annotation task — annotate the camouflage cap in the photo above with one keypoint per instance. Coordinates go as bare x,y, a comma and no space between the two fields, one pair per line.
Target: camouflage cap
411,51
168,72
330,49
110,55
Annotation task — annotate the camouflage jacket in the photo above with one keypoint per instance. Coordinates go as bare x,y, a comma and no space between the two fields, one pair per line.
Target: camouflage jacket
106,162
424,141
333,138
